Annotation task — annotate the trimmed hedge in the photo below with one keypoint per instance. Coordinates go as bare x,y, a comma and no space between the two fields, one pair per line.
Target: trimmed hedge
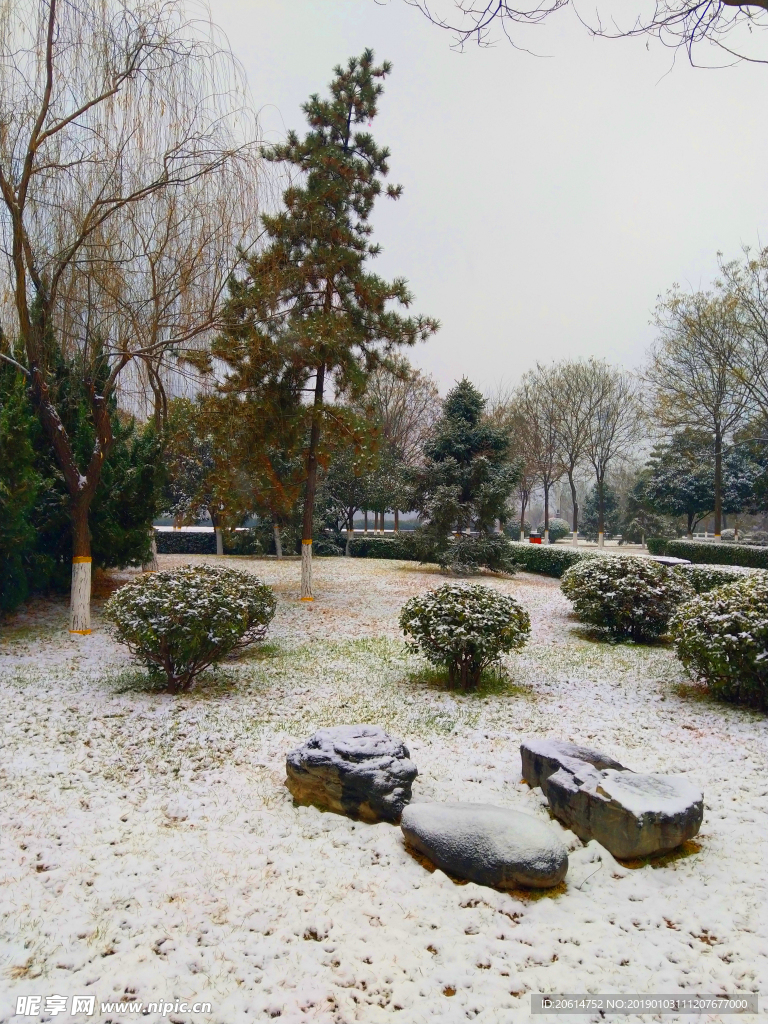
711,553
704,578
182,542
549,560
383,547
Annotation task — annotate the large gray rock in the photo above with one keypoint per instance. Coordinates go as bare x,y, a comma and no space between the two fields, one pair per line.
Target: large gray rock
542,758
357,770
631,815
486,844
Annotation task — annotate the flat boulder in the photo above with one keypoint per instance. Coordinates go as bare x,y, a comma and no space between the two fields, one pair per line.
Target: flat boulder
357,770
486,844
631,815
542,758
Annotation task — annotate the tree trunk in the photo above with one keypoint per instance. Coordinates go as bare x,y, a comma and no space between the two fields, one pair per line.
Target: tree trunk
278,540
600,514
523,504
690,525
575,504
80,596
397,521
365,517
546,512
309,500
152,565
219,540
718,483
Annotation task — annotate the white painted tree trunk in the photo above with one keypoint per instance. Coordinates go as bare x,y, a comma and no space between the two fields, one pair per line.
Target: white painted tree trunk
575,538
278,540
80,596
152,565
306,571
546,536
350,535
522,535
219,541
601,540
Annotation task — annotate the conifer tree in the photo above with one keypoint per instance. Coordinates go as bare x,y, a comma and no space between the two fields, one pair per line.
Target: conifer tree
309,294
468,474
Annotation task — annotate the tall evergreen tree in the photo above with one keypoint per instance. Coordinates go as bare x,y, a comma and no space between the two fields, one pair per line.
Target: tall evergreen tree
468,473
308,294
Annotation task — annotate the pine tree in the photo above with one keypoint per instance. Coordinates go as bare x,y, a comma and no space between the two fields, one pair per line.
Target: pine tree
308,295
590,521
468,474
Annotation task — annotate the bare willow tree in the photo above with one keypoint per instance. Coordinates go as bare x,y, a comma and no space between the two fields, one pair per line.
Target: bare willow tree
697,372
106,106
732,27
614,429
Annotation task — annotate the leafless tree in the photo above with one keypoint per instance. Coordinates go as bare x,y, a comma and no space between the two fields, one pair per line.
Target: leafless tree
615,426
697,371
407,404
728,25
569,385
745,284
105,107
536,410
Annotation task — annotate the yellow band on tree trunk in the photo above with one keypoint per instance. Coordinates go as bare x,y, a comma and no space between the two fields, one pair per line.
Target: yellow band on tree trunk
306,542
82,558
82,632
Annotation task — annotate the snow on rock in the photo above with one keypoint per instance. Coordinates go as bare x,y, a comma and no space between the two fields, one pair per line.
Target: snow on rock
631,815
357,770
487,844
542,758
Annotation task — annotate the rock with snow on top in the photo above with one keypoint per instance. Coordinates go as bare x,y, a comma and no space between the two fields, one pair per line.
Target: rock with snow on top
542,758
631,815
357,770
486,844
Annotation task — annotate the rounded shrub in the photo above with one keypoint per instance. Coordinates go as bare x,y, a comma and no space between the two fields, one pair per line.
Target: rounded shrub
706,577
722,638
464,628
558,528
179,622
630,597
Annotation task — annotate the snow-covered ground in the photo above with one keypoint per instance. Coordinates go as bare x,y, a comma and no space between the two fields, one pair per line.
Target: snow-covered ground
150,851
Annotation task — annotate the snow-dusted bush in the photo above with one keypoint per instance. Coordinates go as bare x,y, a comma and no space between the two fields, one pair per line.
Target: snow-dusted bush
181,621
558,528
722,638
547,559
630,597
465,628
706,577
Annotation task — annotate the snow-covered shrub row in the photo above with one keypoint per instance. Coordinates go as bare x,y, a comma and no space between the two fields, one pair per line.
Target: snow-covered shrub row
399,547
547,559
181,621
706,577
630,597
464,628
709,552
722,638
185,542
466,556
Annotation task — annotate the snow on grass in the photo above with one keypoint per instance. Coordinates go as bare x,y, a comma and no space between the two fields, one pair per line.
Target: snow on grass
150,850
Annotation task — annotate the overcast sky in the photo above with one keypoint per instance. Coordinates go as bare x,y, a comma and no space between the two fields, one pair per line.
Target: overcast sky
547,201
